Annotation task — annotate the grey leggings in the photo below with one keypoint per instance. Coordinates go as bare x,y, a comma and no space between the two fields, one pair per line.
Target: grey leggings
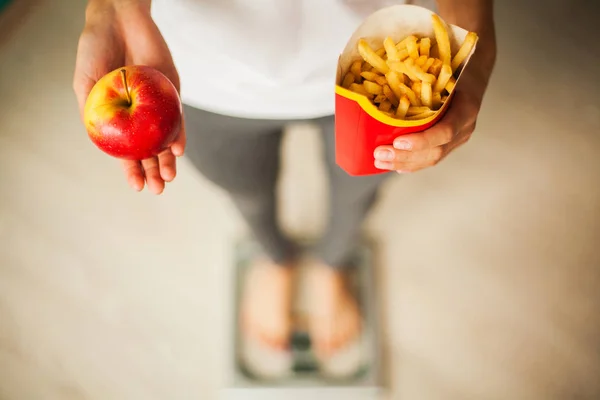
242,157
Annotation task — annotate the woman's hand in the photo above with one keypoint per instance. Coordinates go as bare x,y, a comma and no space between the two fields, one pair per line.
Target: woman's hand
119,33
415,151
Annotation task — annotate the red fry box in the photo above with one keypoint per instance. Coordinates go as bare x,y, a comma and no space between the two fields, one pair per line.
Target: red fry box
359,126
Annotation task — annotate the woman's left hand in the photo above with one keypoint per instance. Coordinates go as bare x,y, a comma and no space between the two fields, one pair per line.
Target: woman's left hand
415,151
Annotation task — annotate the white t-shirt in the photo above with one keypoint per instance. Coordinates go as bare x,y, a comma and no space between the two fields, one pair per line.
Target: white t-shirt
267,59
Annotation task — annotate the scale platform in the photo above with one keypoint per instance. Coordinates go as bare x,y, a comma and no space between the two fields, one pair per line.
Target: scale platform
305,378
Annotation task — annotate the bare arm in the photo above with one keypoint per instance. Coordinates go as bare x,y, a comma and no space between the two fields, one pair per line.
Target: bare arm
118,33
476,16
416,151
118,3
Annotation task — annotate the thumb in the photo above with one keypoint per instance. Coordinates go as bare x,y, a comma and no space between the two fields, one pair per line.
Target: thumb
92,63
82,86
178,146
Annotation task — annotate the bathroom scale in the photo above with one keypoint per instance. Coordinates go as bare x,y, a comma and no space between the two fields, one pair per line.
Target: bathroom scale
300,374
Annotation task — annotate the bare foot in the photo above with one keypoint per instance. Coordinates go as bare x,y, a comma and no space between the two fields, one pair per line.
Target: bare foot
334,315
266,303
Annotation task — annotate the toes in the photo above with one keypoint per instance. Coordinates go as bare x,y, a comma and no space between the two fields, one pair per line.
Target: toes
324,338
329,337
276,338
271,338
266,305
265,338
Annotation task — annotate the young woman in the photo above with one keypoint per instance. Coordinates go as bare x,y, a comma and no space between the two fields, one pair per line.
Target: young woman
248,68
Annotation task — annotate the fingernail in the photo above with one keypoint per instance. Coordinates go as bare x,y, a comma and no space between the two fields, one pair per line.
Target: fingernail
384,155
135,184
402,145
168,175
381,164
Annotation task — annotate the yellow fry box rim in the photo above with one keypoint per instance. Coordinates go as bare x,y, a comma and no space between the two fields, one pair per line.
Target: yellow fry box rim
374,112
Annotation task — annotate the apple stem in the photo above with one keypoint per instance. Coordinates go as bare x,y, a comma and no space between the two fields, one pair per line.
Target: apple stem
124,75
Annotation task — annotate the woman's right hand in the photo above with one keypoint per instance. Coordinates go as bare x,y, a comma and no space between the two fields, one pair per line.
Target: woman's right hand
119,33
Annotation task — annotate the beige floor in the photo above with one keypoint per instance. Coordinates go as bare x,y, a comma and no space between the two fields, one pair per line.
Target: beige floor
491,260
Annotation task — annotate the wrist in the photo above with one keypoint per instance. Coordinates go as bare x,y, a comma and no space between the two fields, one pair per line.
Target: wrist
484,58
111,8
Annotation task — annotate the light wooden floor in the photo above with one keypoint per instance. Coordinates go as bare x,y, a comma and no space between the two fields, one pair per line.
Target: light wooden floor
491,260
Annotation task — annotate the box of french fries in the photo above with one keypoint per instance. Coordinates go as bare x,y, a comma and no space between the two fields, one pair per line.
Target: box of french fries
396,75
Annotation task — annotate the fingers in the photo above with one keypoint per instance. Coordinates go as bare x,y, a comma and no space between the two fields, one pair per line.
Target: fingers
153,171
404,161
440,134
155,182
390,154
178,146
415,151
389,158
167,165
134,174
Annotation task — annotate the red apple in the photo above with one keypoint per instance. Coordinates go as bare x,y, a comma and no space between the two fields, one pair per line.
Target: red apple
133,113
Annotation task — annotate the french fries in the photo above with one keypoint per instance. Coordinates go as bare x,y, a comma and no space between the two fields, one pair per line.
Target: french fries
443,41
389,94
368,75
381,81
443,78
425,47
385,106
380,98
423,115
408,92
436,99
390,48
416,87
401,68
436,67
395,79
428,65
402,44
356,68
416,110
405,80
417,72
464,50
403,107
427,94
412,47
372,87
360,89
450,85
348,80
371,57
